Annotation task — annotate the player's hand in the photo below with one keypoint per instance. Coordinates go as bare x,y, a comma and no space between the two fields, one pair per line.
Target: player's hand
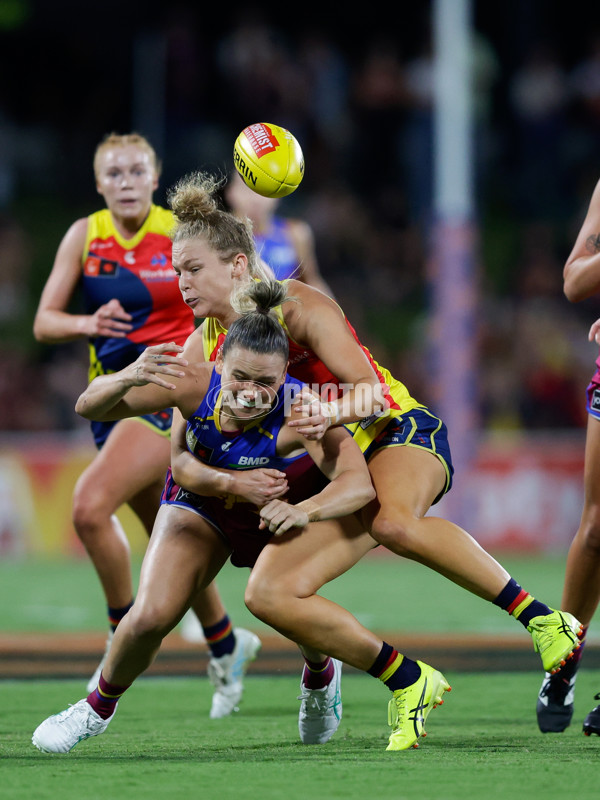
155,362
279,516
594,334
310,417
111,319
259,485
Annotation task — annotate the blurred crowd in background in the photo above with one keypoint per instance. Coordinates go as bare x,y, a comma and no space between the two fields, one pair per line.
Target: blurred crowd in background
359,97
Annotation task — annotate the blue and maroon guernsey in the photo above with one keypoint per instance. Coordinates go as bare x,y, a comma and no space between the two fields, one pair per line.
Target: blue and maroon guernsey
276,248
255,446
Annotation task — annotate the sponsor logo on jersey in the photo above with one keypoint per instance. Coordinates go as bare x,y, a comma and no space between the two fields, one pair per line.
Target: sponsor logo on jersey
100,267
92,265
303,356
198,449
129,257
253,461
203,453
156,275
158,260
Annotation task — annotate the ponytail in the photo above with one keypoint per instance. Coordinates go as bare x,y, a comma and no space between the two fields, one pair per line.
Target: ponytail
258,329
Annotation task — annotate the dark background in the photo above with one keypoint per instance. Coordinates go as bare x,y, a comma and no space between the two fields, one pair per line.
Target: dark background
353,88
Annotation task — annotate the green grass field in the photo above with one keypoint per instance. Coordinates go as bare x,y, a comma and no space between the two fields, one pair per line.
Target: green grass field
483,742
386,593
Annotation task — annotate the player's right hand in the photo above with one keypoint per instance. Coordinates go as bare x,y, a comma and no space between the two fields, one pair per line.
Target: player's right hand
154,362
594,334
259,485
111,320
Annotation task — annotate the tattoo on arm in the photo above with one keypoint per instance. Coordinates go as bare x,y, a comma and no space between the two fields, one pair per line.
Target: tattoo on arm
592,243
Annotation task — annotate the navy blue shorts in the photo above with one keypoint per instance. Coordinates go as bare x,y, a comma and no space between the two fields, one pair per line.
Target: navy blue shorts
160,423
593,399
417,428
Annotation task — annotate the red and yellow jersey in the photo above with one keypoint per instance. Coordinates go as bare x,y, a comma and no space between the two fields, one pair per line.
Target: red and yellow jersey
306,366
137,272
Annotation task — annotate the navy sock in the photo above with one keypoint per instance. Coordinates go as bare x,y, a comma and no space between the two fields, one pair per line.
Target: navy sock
115,615
520,604
393,669
220,637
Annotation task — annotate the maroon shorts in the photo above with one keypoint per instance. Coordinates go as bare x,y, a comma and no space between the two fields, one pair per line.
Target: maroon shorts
237,522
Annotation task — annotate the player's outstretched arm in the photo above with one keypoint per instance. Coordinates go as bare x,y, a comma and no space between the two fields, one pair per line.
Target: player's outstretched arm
143,387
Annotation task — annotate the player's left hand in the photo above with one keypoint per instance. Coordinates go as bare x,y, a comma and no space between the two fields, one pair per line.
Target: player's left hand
279,516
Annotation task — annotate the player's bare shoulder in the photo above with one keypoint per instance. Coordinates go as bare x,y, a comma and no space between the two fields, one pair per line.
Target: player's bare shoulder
194,348
73,242
306,306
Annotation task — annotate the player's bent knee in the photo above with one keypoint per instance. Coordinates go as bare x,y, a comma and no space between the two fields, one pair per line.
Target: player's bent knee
591,536
263,601
91,510
256,601
393,533
152,623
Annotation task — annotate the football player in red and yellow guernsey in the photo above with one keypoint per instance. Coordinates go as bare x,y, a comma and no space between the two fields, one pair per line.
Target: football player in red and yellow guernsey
404,443
120,257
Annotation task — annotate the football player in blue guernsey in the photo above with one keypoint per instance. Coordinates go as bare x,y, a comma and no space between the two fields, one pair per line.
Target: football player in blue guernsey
121,258
237,411
285,244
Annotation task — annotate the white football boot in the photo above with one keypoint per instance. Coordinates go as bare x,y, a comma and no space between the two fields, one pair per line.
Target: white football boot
61,732
227,673
321,709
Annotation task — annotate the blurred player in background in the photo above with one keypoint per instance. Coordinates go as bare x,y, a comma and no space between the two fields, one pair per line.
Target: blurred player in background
286,245
581,591
120,258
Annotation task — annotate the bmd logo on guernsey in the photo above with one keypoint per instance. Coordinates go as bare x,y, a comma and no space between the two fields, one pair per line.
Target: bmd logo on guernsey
261,139
250,461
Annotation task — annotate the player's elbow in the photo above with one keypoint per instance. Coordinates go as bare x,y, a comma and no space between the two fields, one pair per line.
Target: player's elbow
361,489
178,473
366,493
82,408
574,294
39,332
570,288
574,288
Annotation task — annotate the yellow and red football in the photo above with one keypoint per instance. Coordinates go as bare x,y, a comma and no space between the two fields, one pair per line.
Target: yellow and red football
269,159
